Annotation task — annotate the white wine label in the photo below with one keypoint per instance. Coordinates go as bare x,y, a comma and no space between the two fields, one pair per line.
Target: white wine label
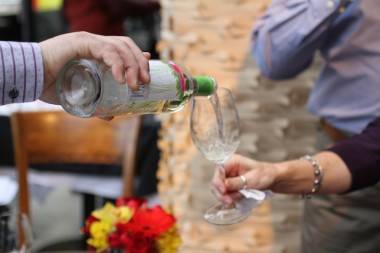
163,85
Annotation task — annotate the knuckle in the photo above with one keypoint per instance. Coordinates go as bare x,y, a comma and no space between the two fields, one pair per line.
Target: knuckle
109,47
119,65
83,35
132,65
228,184
128,40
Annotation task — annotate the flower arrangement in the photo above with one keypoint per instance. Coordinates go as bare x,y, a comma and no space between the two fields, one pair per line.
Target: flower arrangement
131,226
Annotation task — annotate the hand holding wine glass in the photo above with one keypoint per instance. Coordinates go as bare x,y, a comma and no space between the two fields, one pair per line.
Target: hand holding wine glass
227,184
215,130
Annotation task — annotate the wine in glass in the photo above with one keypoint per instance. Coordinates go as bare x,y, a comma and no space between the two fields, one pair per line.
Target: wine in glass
215,130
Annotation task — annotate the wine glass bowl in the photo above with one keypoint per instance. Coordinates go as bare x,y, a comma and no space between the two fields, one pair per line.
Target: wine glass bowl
215,125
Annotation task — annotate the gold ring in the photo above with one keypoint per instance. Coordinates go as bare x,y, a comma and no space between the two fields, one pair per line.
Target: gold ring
244,181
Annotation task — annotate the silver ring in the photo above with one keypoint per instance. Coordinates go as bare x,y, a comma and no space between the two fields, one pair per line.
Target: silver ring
244,181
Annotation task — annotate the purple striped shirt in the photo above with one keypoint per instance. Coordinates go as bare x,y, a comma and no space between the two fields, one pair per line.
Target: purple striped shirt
21,72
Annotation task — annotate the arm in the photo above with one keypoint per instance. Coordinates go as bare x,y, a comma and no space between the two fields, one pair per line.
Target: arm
286,37
349,165
29,70
290,177
297,176
21,72
361,153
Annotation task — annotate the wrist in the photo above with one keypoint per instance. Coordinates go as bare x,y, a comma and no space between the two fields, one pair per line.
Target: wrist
281,172
283,177
295,177
47,73
318,175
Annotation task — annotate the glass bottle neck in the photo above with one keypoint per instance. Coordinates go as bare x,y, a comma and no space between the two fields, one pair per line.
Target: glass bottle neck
204,85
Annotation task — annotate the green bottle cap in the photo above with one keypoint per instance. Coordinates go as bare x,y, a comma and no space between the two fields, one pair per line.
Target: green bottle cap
206,85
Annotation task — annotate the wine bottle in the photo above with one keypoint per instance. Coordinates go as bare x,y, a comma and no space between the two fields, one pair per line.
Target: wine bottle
87,88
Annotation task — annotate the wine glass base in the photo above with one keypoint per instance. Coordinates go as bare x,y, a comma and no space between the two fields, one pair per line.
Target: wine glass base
219,214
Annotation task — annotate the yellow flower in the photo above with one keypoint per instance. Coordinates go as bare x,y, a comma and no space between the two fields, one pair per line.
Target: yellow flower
169,242
99,232
111,214
107,217
106,214
124,213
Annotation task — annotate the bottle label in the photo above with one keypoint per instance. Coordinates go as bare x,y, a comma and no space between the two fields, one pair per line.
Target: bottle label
164,85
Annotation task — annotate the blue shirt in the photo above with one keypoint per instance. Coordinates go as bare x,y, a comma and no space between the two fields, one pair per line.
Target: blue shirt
347,92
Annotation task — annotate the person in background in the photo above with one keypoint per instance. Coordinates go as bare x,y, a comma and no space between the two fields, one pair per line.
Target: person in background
29,70
104,17
350,165
345,98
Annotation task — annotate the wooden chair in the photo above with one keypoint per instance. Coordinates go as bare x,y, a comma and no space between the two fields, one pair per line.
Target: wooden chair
59,138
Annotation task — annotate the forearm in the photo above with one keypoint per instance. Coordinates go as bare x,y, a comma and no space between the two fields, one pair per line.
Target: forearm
286,37
21,72
349,165
296,176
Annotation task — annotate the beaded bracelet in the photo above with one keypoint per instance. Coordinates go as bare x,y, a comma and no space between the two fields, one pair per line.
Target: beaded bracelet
318,175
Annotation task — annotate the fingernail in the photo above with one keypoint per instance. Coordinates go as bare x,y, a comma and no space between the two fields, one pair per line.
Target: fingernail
133,83
135,87
146,77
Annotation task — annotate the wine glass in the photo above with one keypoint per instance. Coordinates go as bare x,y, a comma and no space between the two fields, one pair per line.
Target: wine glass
215,130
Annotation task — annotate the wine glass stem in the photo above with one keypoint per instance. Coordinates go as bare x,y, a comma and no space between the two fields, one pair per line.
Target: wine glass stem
220,167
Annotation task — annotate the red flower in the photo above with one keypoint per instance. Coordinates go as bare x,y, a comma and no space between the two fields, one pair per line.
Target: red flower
133,203
150,222
138,235
137,243
114,240
88,224
131,242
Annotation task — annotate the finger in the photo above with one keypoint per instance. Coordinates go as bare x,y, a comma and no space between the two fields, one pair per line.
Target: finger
219,177
235,196
218,185
147,55
100,49
235,166
230,198
130,61
227,199
217,194
234,184
113,60
141,59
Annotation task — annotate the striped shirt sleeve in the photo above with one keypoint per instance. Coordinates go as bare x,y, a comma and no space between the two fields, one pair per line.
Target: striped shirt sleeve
287,36
21,72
